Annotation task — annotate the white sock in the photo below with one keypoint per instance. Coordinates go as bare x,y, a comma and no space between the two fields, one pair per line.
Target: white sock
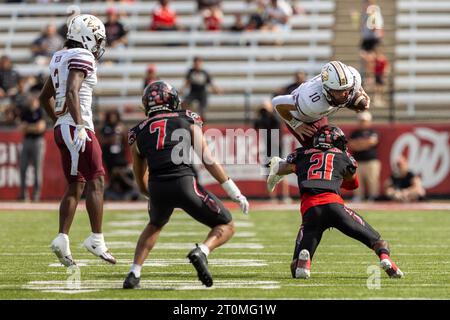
65,244
98,238
65,236
204,249
136,269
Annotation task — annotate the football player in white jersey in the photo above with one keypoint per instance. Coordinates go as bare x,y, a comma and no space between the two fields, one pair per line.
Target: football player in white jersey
67,98
305,109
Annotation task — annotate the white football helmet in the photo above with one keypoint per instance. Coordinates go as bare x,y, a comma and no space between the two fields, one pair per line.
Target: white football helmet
90,32
338,76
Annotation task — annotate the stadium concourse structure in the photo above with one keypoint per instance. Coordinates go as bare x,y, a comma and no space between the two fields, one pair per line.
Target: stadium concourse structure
250,66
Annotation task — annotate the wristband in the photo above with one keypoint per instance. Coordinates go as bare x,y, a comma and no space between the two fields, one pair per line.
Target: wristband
231,189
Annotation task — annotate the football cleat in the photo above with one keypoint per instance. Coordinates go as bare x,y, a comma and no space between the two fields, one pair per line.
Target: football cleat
303,265
99,249
391,269
200,263
131,281
273,178
60,247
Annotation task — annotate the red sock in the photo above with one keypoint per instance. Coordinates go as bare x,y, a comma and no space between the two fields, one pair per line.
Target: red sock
384,256
306,265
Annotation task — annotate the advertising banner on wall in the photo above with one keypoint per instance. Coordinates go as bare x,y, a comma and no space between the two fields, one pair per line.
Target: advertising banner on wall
241,150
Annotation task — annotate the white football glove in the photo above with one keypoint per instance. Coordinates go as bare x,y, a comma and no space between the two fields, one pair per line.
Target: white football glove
235,194
274,178
79,138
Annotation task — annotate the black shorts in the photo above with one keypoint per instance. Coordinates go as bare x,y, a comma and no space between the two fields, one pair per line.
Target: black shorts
332,215
201,98
369,44
185,193
379,79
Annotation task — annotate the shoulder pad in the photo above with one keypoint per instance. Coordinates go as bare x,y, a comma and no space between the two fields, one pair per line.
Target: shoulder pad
133,132
81,59
196,119
352,160
291,158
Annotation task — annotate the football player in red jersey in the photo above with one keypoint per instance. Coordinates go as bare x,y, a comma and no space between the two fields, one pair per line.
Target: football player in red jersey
322,170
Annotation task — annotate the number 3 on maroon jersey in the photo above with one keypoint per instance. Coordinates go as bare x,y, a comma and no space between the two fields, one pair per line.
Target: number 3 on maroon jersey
317,170
159,125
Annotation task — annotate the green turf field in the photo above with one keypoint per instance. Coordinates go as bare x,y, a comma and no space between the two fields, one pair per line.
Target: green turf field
254,265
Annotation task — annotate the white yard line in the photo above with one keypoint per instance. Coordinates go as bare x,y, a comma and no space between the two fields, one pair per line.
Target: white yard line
170,262
170,234
96,285
184,245
392,283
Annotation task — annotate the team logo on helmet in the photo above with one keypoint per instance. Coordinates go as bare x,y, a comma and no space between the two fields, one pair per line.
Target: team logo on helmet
325,75
337,76
330,137
89,31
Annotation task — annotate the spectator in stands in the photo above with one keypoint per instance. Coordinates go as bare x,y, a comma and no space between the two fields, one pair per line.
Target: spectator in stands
198,80
297,8
212,18
33,145
372,33
116,34
163,17
17,102
38,82
403,185
150,75
21,99
256,20
372,26
207,4
363,143
267,120
8,77
238,24
300,77
113,141
381,71
278,13
46,45
114,144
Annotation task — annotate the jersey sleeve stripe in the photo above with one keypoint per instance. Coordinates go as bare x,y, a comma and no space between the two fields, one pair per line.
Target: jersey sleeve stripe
81,61
77,65
80,69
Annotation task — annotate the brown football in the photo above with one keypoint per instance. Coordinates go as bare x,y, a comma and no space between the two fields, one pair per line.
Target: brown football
360,101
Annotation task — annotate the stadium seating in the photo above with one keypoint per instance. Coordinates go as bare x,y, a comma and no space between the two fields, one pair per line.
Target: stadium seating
248,66
422,70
